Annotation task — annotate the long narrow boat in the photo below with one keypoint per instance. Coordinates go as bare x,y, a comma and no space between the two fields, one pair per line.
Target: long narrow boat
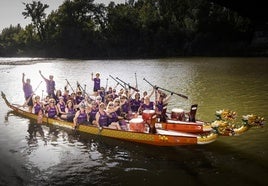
224,125
161,138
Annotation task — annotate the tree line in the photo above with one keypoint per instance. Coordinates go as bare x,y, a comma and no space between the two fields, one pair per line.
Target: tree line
134,29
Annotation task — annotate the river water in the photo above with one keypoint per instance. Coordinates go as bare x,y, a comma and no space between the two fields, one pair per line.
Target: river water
68,158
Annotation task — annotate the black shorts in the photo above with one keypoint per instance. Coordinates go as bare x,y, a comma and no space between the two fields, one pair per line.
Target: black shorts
70,117
30,103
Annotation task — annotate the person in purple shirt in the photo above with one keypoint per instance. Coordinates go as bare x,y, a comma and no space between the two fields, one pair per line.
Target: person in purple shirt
50,85
28,92
81,117
97,82
125,107
38,106
52,110
101,116
135,103
147,105
38,109
161,105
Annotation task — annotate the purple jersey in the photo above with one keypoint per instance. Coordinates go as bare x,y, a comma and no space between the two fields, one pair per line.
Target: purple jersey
50,87
96,84
160,106
135,105
82,118
113,117
62,107
103,120
148,107
51,112
37,108
79,99
125,107
28,90
92,114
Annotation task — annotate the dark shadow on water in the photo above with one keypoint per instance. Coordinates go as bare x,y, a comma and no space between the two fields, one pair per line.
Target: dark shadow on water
127,163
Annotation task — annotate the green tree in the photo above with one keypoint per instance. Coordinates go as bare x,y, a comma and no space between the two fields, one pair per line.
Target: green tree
10,40
36,11
73,27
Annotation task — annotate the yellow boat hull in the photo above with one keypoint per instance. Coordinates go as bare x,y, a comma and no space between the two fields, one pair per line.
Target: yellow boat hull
161,138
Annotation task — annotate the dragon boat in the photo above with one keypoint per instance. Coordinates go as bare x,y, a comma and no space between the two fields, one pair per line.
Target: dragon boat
179,120
226,123
160,138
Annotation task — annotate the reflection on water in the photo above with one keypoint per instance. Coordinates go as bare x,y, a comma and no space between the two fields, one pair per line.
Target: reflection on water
62,156
32,154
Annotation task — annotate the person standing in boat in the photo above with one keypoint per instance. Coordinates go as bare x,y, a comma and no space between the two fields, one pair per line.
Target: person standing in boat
28,92
50,85
97,82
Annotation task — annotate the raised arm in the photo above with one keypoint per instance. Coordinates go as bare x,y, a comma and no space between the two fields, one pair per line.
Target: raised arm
92,78
165,101
42,76
151,93
23,80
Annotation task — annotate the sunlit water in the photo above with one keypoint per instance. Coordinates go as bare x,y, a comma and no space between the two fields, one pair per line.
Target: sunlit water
64,157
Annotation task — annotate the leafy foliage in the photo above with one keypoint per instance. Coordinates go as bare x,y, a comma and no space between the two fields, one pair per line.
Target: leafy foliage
142,28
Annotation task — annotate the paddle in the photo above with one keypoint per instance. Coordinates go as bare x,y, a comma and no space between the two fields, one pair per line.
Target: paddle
178,94
81,88
117,81
136,80
128,85
68,83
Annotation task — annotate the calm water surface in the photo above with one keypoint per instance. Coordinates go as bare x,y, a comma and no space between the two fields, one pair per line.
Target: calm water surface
68,158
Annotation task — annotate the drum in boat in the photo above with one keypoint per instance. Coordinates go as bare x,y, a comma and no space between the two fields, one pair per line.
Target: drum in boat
177,114
137,125
148,114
